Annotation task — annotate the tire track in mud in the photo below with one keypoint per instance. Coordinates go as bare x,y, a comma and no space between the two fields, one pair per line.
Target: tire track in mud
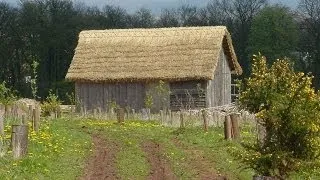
160,167
102,164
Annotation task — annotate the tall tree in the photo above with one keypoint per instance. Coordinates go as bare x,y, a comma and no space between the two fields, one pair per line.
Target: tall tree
274,33
188,15
168,18
309,16
143,18
116,17
238,16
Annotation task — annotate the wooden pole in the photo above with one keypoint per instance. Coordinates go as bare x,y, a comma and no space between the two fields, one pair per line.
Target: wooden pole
30,111
133,114
19,138
1,124
161,117
227,128
181,120
95,113
24,120
170,119
36,119
58,110
235,125
120,115
205,120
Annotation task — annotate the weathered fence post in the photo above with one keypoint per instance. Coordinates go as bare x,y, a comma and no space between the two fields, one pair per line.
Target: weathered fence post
227,128
24,120
36,119
1,124
133,114
205,120
58,111
30,111
161,117
170,115
19,140
235,118
120,115
82,111
181,120
95,113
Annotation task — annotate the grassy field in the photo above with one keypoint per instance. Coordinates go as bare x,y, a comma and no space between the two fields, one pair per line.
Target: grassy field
63,147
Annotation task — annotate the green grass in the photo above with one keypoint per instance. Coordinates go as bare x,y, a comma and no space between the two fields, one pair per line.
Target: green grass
131,160
61,148
57,151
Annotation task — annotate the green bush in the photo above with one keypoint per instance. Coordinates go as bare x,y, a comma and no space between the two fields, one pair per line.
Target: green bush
289,109
7,95
52,104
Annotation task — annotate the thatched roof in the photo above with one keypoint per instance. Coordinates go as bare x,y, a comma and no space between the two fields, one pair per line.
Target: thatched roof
185,53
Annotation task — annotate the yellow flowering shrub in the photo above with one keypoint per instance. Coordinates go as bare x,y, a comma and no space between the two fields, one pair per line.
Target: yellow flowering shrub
288,107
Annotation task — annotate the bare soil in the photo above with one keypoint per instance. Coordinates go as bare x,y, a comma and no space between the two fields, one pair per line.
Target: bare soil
202,166
102,165
160,167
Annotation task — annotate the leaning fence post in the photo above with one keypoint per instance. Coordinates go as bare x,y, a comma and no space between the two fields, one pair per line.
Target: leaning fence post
235,125
205,120
19,140
227,128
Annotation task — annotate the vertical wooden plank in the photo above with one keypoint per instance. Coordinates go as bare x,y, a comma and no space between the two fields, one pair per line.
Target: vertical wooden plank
205,120
1,124
19,138
235,118
227,128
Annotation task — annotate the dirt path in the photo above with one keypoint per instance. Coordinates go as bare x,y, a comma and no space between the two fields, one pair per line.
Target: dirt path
160,167
204,168
102,164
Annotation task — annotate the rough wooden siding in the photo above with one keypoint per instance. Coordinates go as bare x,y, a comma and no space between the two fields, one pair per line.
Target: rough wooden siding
186,95
219,89
160,101
98,95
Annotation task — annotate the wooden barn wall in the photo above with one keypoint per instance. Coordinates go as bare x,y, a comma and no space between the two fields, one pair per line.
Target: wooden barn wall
219,89
187,95
102,95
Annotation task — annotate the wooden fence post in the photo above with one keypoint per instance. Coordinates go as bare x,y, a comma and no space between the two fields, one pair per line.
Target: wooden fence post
36,119
181,120
1,124
161,116
24,120
133,114
205,120
170,115
227,128
30,111
95,113
19,140
120,115
235,125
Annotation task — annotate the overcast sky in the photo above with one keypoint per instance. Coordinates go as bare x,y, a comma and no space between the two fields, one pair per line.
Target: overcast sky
155,5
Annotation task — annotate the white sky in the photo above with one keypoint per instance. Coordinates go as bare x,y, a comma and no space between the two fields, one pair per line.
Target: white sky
155,5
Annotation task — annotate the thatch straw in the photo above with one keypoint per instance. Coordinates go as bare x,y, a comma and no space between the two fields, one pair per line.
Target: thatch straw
185,53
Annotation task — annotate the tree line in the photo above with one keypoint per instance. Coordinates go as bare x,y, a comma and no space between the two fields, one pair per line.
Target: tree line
46,31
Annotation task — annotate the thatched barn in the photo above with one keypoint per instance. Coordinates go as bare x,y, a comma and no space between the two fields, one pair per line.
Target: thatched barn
176,68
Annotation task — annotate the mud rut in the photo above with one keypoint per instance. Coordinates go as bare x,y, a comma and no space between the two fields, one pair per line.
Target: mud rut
102,164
